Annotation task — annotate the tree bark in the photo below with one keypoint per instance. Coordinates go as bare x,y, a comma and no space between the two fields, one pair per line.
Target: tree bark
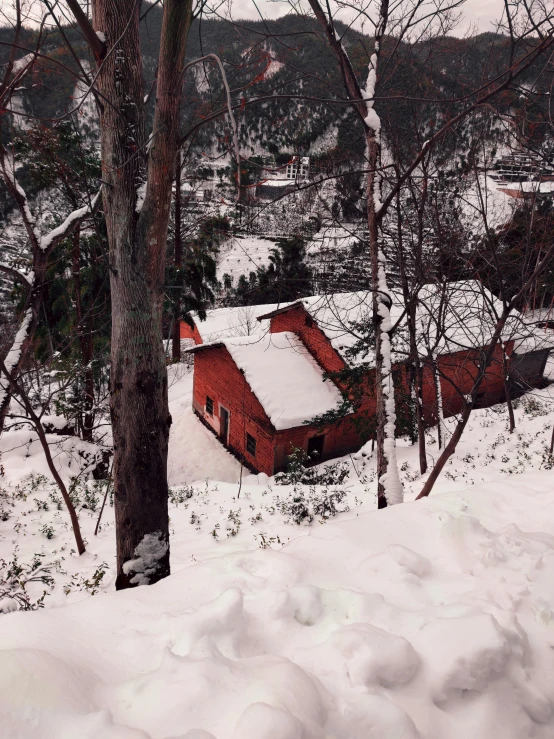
176,342
507,391
86,415
137,235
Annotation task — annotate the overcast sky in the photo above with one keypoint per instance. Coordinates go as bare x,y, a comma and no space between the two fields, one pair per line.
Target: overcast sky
477,14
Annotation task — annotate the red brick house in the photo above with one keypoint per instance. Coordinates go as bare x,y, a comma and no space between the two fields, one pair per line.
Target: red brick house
257,395
258,388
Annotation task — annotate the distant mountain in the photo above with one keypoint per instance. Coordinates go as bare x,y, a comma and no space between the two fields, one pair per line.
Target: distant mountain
286,56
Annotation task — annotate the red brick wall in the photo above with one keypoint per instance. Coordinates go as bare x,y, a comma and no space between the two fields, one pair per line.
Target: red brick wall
217,376
296,320
339,440
458,373
186,332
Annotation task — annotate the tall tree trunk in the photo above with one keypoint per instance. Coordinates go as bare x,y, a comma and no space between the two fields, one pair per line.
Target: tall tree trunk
410,303
507,390
389,487
86,420
137,221
436,382
176,344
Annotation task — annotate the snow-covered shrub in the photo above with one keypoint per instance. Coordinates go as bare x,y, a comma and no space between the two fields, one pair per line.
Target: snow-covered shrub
304,505
181,494
48,531
298,471
88,584
16,577
87,495
532,406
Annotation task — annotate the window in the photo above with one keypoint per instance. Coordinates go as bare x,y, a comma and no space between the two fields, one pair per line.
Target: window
251,445
209,406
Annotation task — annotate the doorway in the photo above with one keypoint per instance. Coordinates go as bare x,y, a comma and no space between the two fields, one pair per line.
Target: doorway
224,419
315,448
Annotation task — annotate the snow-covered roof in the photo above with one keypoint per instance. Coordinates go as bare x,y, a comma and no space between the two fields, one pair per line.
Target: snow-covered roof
284,377
223,323
451,318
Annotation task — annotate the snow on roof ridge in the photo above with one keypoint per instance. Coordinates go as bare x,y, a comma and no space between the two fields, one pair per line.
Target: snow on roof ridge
469,319
284,377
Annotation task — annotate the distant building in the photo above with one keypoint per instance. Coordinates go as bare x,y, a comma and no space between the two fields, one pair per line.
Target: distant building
298,169
522,167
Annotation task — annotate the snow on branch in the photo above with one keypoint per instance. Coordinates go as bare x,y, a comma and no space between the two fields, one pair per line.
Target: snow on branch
72,220
19,195
12,359
25,279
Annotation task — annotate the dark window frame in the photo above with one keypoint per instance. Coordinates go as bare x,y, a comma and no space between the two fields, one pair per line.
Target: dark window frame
209,405
250,440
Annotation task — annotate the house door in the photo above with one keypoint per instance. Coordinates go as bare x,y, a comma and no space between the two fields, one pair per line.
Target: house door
315,448
224,417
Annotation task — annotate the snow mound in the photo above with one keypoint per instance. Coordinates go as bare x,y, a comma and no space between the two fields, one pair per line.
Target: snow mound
430,620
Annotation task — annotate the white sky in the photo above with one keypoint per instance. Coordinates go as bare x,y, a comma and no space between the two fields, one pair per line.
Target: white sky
478,15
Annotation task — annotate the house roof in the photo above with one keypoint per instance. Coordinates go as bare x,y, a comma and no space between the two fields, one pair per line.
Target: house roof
450,318
284,377
223,323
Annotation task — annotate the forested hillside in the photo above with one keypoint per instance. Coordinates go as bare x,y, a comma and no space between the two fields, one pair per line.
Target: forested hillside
276,372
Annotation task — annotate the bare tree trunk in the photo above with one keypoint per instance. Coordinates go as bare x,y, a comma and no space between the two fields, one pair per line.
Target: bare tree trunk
176,345
436,382
448,451
86,416
137,225
410,303
389,487
507,391
18,356
420,421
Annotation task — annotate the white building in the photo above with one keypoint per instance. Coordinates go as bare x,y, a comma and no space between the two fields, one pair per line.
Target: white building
299,169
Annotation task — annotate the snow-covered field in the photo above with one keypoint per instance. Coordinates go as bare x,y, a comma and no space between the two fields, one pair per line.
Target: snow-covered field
431,619
241,255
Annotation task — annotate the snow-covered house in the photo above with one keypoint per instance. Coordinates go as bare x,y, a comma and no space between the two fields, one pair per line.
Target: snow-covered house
261,373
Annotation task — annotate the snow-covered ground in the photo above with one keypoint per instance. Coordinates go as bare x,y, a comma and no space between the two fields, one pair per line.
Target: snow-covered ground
431,619
485,195
241,255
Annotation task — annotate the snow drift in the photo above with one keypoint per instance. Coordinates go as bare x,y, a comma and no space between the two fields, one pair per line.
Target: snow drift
430,620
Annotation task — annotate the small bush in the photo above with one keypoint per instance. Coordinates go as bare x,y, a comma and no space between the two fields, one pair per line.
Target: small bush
14,579
298,471
48,531
303,506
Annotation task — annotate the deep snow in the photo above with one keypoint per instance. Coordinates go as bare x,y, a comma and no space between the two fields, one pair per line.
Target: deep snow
431,619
